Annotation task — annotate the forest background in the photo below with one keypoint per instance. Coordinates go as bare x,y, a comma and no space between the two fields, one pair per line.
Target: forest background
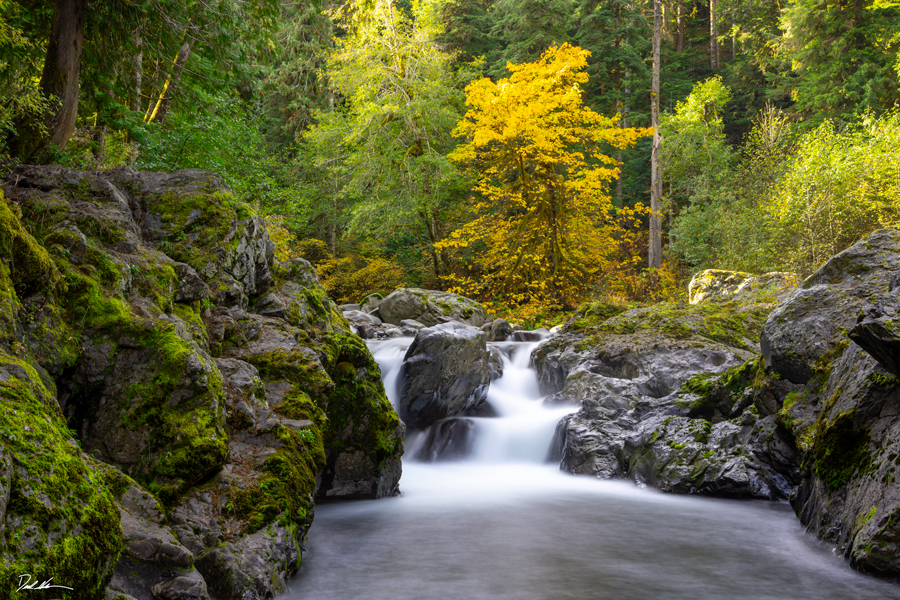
497,148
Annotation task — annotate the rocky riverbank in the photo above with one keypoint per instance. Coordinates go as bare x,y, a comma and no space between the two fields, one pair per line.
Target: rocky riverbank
761,390
175,401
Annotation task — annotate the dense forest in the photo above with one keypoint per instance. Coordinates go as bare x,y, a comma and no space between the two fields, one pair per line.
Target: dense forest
531,154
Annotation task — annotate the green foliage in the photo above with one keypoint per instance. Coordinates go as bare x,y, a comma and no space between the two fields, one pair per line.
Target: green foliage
226,138
528,28
19,60
841,185
381,157
844,57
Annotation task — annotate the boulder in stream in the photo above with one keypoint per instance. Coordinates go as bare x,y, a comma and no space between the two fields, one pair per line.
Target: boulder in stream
446,370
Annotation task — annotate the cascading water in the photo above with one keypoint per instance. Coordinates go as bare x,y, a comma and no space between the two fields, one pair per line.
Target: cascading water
504,524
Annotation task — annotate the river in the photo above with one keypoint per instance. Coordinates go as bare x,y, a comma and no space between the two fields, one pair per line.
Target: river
504,524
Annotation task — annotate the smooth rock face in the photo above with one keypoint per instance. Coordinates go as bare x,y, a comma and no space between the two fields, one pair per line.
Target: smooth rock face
428,306
878,331
815,318
446,370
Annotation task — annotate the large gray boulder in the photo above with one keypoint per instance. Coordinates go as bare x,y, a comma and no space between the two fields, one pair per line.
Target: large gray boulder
644,415
446,370
878,329
844,417
813,322
430,307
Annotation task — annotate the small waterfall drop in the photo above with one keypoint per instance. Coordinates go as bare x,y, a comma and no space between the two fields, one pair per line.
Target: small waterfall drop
523,428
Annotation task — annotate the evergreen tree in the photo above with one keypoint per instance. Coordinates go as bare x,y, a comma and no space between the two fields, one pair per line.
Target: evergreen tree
845,56
526,28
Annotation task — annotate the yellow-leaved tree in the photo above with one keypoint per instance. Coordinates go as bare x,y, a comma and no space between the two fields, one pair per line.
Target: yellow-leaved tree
544,227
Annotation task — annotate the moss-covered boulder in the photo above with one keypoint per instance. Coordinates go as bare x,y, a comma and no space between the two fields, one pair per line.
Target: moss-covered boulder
815,319
717,285
658,347
666,396
843,416
124,300
58,519
430,307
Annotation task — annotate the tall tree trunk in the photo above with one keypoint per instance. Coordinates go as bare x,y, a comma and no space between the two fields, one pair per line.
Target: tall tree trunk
59,83
655,261
100,138
714,51
679,40
137,66
165,96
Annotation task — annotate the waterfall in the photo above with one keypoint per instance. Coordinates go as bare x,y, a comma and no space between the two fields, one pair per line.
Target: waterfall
523,428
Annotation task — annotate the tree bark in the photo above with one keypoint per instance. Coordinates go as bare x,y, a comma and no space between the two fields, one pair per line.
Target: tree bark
679,41
138,69
59,83
714,51
165,96
655,258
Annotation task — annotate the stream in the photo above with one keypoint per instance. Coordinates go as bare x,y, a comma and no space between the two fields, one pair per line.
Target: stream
504,524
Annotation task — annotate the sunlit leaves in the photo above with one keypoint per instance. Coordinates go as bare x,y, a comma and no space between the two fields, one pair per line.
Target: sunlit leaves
543,226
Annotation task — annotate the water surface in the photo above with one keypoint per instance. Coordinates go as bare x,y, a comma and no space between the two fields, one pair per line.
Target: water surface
504,525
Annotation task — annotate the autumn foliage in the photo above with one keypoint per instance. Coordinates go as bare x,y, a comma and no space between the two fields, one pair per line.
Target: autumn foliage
544,229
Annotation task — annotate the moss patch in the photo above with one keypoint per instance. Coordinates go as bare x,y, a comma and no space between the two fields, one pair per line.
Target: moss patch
840,450
61,520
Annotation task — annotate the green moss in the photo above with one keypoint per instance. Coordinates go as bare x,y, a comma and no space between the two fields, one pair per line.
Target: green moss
53,491
594,314
728,323
718,392
840,450
288,484
188,440
885,381
31,268
155,281
198,223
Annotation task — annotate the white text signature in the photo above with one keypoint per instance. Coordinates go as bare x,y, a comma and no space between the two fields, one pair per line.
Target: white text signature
26,583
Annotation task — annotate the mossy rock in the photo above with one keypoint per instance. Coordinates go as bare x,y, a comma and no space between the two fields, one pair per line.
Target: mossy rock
61,520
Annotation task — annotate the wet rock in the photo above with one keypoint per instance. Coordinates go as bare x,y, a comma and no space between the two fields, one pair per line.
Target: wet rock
495,363
449,439
445,371
500,330
812,323
430,307
530,336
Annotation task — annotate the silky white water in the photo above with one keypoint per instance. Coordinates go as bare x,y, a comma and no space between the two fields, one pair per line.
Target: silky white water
506,525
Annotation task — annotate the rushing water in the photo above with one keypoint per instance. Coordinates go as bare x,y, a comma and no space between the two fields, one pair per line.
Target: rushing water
505,525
